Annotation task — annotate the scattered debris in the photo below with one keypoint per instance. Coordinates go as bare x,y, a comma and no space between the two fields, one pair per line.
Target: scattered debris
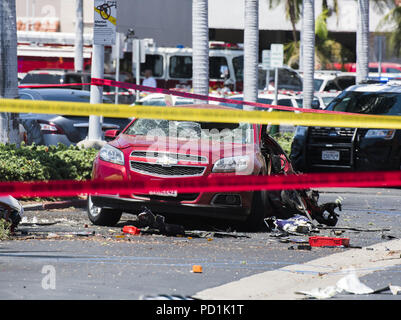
295,225
131,230
353,229
148,219
197,269
288,203
350,284
328,242
300,247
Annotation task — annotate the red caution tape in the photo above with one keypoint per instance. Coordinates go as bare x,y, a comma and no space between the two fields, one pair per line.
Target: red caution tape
126,85
100,82
66,188
37,86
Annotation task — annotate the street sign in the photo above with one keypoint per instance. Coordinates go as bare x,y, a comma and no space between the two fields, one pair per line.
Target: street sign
276,55
105,22
266,59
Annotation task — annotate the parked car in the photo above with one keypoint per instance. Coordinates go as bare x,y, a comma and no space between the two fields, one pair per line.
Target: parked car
139,152
159,99
332,80
326,97
352,149
288,79
50,129
63,76
386,67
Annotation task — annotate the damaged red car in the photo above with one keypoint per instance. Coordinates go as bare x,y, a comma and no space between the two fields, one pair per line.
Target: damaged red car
164,149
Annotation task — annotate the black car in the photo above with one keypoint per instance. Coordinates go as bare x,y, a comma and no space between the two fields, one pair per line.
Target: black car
50,129
320,149
62,76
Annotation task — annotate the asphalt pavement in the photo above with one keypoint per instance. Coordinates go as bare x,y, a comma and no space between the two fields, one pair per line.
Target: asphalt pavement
57,254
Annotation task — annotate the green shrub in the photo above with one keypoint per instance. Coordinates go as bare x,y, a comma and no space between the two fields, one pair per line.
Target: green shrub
4,229
27,163
284,139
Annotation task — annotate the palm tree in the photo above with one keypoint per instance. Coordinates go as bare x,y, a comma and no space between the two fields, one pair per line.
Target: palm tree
78,59
393,19
308,40
251,51
362,41
292,13
9,129
200,46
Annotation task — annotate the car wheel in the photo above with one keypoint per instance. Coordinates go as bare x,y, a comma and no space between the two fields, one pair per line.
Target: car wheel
101,216
255,220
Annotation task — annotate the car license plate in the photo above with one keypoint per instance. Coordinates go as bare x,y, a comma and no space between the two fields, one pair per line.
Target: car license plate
331,155
166,193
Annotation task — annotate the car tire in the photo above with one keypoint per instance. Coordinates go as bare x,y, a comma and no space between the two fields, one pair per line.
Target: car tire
101,216
258,213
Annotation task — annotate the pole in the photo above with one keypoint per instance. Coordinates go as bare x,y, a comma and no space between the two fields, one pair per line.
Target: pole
79,37
118,49
138,67
274,129
380,55
96,93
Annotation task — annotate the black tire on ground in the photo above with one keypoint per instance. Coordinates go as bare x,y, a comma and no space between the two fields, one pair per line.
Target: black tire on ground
101,216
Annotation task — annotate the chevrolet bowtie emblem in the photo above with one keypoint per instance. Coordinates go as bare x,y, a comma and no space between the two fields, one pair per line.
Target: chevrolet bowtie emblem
166,161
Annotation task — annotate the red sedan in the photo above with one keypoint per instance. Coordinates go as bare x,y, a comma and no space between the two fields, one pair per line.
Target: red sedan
163,149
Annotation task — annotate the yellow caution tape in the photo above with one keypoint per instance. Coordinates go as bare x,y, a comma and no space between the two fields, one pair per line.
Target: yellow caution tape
201,114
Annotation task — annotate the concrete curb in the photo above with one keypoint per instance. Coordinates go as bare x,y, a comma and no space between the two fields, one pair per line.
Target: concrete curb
77,203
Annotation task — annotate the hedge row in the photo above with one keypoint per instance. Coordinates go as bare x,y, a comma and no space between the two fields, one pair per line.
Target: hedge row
34,162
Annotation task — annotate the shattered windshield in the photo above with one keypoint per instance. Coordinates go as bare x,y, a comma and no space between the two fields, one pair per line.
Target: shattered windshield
367,102
234,132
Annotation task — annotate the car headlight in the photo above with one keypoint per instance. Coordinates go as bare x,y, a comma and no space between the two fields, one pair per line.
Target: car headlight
301,131
111,154
232,164
380,133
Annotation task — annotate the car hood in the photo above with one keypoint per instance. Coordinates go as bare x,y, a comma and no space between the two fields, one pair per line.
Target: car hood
206,148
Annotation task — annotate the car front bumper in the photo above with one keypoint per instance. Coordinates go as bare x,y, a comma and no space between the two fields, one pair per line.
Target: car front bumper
134,205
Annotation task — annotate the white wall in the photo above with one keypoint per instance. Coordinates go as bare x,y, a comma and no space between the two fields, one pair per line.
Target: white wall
228,14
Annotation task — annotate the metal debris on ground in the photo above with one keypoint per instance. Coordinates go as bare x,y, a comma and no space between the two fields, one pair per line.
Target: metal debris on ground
147,219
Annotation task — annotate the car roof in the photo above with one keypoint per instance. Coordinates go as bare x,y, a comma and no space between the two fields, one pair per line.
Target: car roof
55,94
55,91
375,87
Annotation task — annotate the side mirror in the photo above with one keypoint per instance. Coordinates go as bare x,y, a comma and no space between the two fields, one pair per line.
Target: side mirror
110,135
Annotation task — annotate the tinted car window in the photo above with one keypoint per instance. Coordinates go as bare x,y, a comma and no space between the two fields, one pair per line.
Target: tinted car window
367,102
317,83
42,78
372,69
284,102
180,67
238,64
218,68
153,62
393,70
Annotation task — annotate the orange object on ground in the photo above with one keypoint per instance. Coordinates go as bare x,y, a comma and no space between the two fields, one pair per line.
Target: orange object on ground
131,230
197,269
328,242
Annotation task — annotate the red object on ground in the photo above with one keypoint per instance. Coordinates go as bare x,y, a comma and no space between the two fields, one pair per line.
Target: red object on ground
328,241
131,230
